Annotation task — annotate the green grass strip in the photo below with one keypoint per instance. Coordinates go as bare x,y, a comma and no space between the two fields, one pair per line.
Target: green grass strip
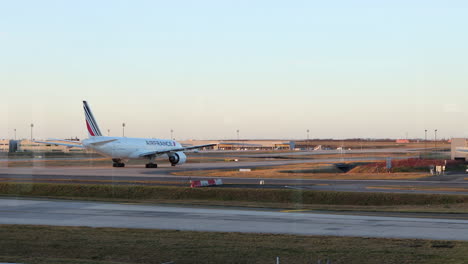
84,245
286,196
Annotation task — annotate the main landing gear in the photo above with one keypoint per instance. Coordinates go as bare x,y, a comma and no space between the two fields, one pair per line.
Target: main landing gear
151,163
118,163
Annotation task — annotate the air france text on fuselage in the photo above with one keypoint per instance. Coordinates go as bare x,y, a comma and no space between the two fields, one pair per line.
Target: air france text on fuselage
160,143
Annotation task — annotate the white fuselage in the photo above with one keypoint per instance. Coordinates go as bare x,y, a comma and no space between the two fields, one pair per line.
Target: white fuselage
128,148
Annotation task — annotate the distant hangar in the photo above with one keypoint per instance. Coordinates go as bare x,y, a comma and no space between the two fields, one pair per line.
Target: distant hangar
459,149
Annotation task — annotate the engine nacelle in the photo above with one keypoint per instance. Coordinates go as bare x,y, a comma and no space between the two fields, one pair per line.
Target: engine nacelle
177,158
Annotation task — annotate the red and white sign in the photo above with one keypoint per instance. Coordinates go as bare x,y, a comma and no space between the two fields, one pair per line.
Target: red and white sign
205,183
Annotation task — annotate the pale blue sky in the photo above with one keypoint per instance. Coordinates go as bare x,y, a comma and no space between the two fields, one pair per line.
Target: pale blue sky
206,68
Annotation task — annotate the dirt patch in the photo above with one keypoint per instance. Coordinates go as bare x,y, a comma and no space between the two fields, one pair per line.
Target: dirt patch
302,171
406,165
418,188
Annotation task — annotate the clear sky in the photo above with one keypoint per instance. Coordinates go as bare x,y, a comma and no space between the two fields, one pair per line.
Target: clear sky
271,69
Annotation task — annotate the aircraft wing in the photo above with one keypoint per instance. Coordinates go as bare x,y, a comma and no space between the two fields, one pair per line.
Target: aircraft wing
61,144
151,153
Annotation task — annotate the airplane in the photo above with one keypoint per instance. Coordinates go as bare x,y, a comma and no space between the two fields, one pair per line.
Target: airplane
121,149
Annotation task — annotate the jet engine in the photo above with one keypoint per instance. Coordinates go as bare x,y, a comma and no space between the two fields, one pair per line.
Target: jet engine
177,158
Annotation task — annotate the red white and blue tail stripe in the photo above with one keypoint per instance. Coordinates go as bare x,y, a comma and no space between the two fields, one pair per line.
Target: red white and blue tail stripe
91,124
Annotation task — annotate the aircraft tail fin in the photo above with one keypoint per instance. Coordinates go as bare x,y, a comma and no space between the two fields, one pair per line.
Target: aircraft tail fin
91,124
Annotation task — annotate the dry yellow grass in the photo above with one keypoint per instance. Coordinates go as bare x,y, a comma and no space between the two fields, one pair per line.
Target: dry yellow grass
363,176
278,172
419,188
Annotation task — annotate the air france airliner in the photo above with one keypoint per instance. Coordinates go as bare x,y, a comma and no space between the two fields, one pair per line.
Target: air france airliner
121,149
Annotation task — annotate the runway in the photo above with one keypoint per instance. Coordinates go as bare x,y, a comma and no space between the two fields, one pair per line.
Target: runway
165,168
163,176
137,174
100,214
334,151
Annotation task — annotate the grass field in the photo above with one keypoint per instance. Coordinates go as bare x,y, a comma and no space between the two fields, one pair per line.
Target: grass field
382,155
302,171
257,198
280,196
82,245
421,188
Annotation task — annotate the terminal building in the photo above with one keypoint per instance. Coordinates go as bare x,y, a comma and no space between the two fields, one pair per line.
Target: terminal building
243,144
459,149
28,145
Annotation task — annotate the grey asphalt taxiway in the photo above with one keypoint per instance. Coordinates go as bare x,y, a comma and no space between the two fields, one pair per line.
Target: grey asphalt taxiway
100,214
163,176
137,174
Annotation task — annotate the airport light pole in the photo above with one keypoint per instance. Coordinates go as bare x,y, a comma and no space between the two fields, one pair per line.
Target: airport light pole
108,132
425,140
307,144
172,131
237,136
435,138
32,125
123,129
